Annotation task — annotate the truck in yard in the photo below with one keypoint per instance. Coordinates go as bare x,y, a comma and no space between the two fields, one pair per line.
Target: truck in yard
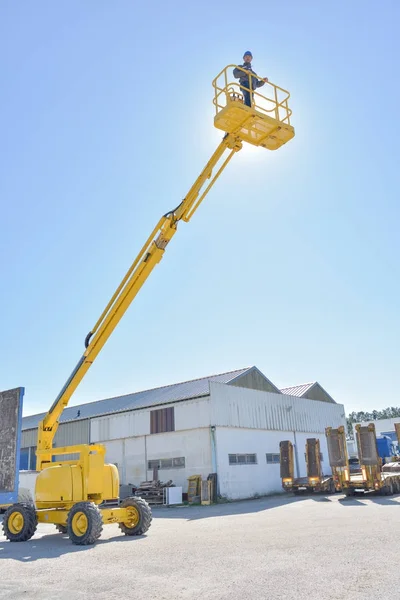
315,481
371,475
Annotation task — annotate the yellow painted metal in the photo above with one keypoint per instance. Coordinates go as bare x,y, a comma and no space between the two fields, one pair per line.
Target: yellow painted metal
371,473
397,428
86,478
109,515
79,523
61,484
16,522
340,474
149,256
286,459
52,515
313,457
133,516
266,123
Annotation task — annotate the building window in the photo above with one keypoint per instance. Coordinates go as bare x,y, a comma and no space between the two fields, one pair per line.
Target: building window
273,459
162,420
24,459
242,459
28,459
166,463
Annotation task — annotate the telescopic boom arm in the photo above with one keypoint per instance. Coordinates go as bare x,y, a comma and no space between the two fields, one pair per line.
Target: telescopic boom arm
151,254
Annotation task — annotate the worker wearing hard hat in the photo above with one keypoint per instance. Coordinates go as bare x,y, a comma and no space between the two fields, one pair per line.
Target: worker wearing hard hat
246,81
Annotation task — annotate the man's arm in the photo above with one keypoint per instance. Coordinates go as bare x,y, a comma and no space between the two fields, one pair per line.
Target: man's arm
238,73
262,82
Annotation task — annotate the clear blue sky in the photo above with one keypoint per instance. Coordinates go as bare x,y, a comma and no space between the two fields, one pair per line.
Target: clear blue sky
291,263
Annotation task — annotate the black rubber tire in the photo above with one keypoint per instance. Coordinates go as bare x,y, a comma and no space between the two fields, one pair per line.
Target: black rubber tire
95,523
28,513
62,529
145,516
332,488
350,493
389,489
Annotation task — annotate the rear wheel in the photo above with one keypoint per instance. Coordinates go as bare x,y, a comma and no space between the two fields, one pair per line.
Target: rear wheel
84,523
19,522
140,516
389,489
350,492
332,488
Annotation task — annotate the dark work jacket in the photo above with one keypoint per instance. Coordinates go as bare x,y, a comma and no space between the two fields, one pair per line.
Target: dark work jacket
244,78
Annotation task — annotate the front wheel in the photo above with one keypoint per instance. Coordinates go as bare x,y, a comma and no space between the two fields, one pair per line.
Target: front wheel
140,516
84,523
19,522
332,488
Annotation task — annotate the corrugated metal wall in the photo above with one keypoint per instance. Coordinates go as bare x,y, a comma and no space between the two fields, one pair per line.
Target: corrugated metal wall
239,407
68,434
29,438
189,414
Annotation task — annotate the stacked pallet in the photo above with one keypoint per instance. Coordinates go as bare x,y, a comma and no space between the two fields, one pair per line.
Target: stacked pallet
153,491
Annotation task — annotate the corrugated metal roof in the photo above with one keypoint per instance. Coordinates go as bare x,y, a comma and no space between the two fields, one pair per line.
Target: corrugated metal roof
298,390
169,393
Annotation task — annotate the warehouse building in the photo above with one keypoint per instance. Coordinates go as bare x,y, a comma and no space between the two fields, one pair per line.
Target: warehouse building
230,424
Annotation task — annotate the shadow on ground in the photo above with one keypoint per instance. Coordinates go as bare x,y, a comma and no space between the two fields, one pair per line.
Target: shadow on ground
363,499
240,507
53,546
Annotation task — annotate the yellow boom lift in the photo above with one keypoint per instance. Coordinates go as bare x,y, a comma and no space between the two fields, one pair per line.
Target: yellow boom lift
81,495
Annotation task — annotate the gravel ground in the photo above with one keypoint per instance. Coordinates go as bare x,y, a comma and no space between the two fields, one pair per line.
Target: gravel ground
276,548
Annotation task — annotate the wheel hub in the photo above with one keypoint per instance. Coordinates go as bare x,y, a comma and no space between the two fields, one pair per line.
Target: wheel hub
133,517
16,522
79,524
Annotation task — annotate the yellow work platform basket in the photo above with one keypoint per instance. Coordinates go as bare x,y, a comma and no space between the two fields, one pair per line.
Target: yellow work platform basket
266,123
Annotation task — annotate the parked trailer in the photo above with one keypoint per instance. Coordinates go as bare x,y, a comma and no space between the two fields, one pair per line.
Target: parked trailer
371,476
315,481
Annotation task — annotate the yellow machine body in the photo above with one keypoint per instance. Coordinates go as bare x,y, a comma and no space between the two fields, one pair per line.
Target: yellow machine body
87,479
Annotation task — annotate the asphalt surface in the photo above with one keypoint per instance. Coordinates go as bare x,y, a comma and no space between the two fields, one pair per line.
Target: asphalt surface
276,548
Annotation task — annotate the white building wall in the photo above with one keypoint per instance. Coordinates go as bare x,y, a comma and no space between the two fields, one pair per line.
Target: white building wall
247,421
240,407
132,455
245,481
190,414
193,444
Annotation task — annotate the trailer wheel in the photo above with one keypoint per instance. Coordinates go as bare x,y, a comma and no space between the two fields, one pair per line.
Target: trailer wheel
139,514
350,492
19,522
389,488
331,488
84,523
